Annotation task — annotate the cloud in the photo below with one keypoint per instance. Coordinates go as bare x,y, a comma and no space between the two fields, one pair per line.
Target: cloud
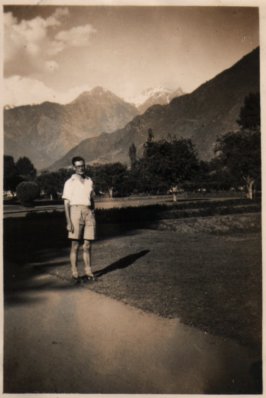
12,41
20,90
30,36
54,19
34,41
51,66
76,37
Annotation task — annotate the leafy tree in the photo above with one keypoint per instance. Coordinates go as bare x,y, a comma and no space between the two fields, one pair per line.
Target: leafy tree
239,153
49,184
52,183
11,176
148,143
249,117
216,177
167,163
240,158
150,135
109,177
132,155
25,168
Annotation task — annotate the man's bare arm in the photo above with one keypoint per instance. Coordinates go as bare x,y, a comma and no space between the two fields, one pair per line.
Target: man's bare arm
70,227
92,200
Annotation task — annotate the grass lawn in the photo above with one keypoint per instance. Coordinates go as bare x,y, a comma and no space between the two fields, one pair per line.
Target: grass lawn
210,282
205,270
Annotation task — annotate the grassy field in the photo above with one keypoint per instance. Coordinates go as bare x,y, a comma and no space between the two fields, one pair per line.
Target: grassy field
198,262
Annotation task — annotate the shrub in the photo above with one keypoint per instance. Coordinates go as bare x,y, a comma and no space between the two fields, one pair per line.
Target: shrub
27,192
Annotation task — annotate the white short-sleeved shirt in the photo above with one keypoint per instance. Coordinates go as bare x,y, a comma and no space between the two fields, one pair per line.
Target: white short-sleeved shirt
78,191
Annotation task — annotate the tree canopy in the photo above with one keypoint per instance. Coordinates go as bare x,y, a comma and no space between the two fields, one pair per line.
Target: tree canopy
239,153
249,117
51,183
166,163
132,152
25,168
11,176
109,177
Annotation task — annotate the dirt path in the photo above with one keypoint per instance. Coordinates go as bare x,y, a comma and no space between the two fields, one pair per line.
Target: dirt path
72,340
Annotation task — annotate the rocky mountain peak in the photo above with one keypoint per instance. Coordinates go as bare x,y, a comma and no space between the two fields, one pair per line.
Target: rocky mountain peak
203,115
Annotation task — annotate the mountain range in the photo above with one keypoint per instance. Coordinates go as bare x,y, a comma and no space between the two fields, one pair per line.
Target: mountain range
203,115
47,131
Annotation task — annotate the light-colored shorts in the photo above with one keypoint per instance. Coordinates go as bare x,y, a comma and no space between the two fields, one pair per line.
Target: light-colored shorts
83,221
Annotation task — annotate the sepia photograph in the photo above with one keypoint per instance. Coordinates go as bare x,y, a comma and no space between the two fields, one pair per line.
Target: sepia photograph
132,191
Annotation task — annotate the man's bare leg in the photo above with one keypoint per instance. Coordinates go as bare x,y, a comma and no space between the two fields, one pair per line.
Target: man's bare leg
87,257
74,258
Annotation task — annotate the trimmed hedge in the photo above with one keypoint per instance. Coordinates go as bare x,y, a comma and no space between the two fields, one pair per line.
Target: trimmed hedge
27,192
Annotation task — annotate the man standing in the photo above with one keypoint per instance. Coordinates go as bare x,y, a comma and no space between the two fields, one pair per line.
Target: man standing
79,210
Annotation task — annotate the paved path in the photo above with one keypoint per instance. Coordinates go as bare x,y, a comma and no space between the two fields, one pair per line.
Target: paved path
69,339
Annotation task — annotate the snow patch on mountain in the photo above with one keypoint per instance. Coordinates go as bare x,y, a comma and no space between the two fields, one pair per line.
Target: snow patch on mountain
147,93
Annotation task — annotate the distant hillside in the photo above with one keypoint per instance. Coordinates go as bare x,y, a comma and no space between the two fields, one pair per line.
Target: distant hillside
46,132
209,111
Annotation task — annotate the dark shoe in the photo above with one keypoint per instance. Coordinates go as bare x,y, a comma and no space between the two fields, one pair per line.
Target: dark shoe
75,279
89,278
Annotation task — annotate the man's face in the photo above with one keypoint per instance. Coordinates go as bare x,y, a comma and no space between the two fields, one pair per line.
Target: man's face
79,167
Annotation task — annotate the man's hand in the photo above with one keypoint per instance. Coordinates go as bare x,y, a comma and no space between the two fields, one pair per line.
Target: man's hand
70,227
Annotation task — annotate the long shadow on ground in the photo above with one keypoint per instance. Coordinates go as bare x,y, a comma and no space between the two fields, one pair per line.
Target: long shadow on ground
42,239
122,263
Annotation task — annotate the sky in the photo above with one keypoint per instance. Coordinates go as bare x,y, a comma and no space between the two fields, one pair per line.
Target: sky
54,53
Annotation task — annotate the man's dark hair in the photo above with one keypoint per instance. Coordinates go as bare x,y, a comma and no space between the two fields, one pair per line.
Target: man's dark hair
77,159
